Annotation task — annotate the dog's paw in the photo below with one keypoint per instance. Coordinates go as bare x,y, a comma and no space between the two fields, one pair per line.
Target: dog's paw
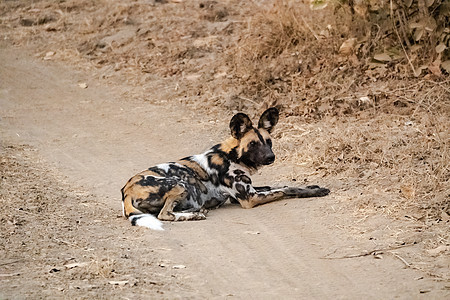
320,192
200,216
310,191
203,211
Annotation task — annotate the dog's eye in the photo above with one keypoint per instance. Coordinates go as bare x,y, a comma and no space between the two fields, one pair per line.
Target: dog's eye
253,144
269,142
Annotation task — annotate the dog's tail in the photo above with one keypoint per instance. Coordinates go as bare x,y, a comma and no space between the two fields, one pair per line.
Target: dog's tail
138,218
146,220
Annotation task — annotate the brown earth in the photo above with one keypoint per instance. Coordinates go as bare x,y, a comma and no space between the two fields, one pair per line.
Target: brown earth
72,136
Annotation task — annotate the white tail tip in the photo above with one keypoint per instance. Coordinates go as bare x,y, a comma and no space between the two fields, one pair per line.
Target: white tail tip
146,220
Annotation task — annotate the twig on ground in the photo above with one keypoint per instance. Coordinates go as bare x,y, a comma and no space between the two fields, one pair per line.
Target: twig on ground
309,28
367,253
11,262
402,259
66,242
249,100
9,275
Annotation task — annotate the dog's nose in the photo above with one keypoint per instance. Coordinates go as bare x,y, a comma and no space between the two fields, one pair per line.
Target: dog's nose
270,159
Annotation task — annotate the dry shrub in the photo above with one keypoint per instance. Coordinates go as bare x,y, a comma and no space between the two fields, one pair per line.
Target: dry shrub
314,61
278,47
409,36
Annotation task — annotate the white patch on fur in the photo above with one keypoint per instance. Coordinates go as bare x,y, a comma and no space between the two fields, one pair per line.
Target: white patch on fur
148,220
165,167
243,127
179,165
202,160
228,191
178,215
157,177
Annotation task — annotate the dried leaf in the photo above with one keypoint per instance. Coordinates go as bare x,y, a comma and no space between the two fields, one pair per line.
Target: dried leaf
416,25
431,24
49,55
347,46
395,53
253,232
376,64
364,99
360,8
435,67
441,47
179,267
119,283
418,33
416,47
193,76
74,265
382,57
419,70
83,85
408,191
408,3
428,3
318,4
446,66
445,216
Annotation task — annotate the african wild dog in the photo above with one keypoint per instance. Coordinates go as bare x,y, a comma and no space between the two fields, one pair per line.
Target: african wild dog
184,190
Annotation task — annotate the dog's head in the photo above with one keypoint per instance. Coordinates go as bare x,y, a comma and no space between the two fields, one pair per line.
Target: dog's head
253,145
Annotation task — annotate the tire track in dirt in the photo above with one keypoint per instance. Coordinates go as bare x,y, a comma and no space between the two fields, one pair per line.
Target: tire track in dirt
99,140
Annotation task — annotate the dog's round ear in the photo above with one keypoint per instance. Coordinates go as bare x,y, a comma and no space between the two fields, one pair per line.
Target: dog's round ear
239,125
269,119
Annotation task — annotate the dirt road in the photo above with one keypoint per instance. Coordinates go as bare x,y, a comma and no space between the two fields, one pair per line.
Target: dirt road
76,147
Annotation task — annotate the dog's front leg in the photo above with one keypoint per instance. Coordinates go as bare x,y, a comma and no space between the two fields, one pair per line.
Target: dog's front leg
249,196
309,191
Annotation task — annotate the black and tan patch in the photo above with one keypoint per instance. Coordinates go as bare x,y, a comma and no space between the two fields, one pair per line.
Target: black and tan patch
195,167
229,145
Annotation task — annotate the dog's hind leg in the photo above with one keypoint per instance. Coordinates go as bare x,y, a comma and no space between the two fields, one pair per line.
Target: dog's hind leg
171,199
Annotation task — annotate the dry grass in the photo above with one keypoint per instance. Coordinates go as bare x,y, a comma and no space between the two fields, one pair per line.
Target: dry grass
404,154
276,56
